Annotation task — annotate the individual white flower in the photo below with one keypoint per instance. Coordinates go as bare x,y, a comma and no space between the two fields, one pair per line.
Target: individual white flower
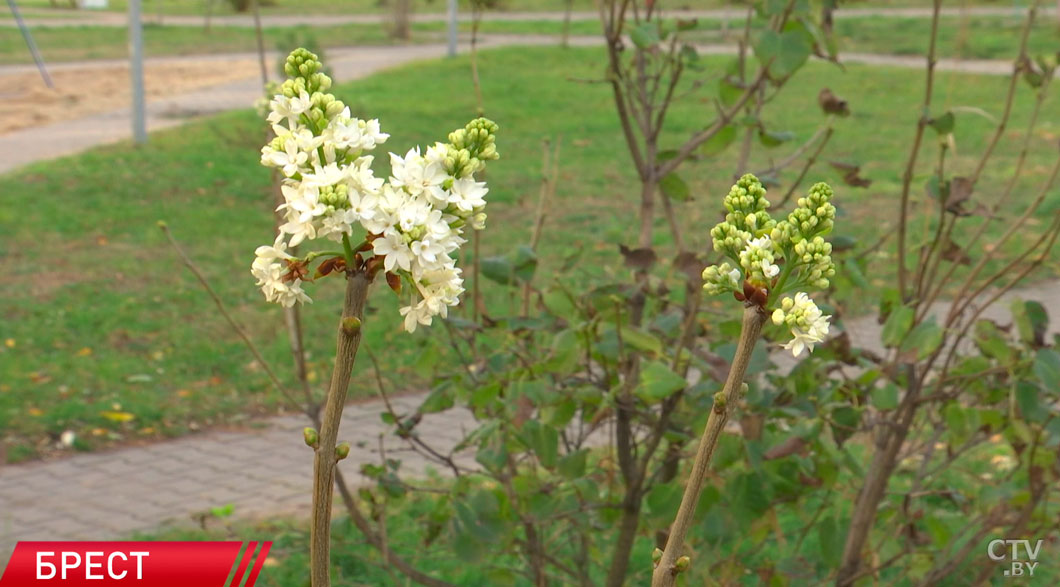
371,135
329,174
415,315
393,246
270,270
808,324
361,178
440,289
468,194
418,175
290,160
289,108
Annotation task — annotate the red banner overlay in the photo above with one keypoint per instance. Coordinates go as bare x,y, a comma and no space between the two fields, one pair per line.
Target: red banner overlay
144,564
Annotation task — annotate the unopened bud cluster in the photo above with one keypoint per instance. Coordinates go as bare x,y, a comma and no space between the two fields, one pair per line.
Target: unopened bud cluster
412,222
772,258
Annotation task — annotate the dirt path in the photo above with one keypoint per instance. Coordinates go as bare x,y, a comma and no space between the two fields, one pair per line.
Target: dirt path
25,102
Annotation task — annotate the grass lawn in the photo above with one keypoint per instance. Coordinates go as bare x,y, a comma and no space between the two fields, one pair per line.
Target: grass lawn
977,37
104,333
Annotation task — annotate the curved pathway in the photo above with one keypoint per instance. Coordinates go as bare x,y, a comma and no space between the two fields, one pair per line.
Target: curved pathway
68,137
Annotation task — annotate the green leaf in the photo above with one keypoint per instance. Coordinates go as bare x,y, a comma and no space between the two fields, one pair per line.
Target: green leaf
924,339
543,440
990,341
645,36
663,500
854,273
886,397
572,466
830,537
657,382
729,92
772,139
944,124
1027,400
784,52
897,326
1047,369
642,341
440,399
1032,320
717,143
845,422
937,529
674,187
519,265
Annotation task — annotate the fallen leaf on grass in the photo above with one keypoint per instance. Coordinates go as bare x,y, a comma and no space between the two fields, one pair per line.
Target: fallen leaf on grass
84,352
120,417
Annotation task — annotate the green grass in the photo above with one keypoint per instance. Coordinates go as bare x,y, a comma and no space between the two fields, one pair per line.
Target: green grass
58,44
972,38
978,37
101,318
62,44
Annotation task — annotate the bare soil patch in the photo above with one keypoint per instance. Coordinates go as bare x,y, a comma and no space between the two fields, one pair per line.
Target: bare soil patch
26,102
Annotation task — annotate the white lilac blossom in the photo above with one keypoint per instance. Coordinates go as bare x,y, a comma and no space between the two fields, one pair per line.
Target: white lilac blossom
756,259
413,222
808,325
275,281
773,258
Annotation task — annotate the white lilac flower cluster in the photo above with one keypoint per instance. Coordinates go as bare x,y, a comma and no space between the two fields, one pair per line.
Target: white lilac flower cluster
412,222
772,258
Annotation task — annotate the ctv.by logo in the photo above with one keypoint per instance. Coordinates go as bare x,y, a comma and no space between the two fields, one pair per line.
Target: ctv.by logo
1021,565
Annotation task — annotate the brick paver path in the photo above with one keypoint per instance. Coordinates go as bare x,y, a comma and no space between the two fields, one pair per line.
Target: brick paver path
262,471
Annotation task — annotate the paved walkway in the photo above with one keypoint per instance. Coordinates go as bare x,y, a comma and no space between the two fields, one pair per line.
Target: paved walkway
68,137
118,19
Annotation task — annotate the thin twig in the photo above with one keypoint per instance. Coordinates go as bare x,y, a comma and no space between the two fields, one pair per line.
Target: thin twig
228,318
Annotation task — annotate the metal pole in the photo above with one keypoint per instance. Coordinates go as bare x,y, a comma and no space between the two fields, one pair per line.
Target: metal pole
29,43
452,28
261,43
136,72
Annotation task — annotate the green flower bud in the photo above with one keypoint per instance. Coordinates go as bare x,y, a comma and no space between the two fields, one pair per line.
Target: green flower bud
656,555
814,214
312,439
682,563
337,196
334,108
729,240
342,451
719,402
722,278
